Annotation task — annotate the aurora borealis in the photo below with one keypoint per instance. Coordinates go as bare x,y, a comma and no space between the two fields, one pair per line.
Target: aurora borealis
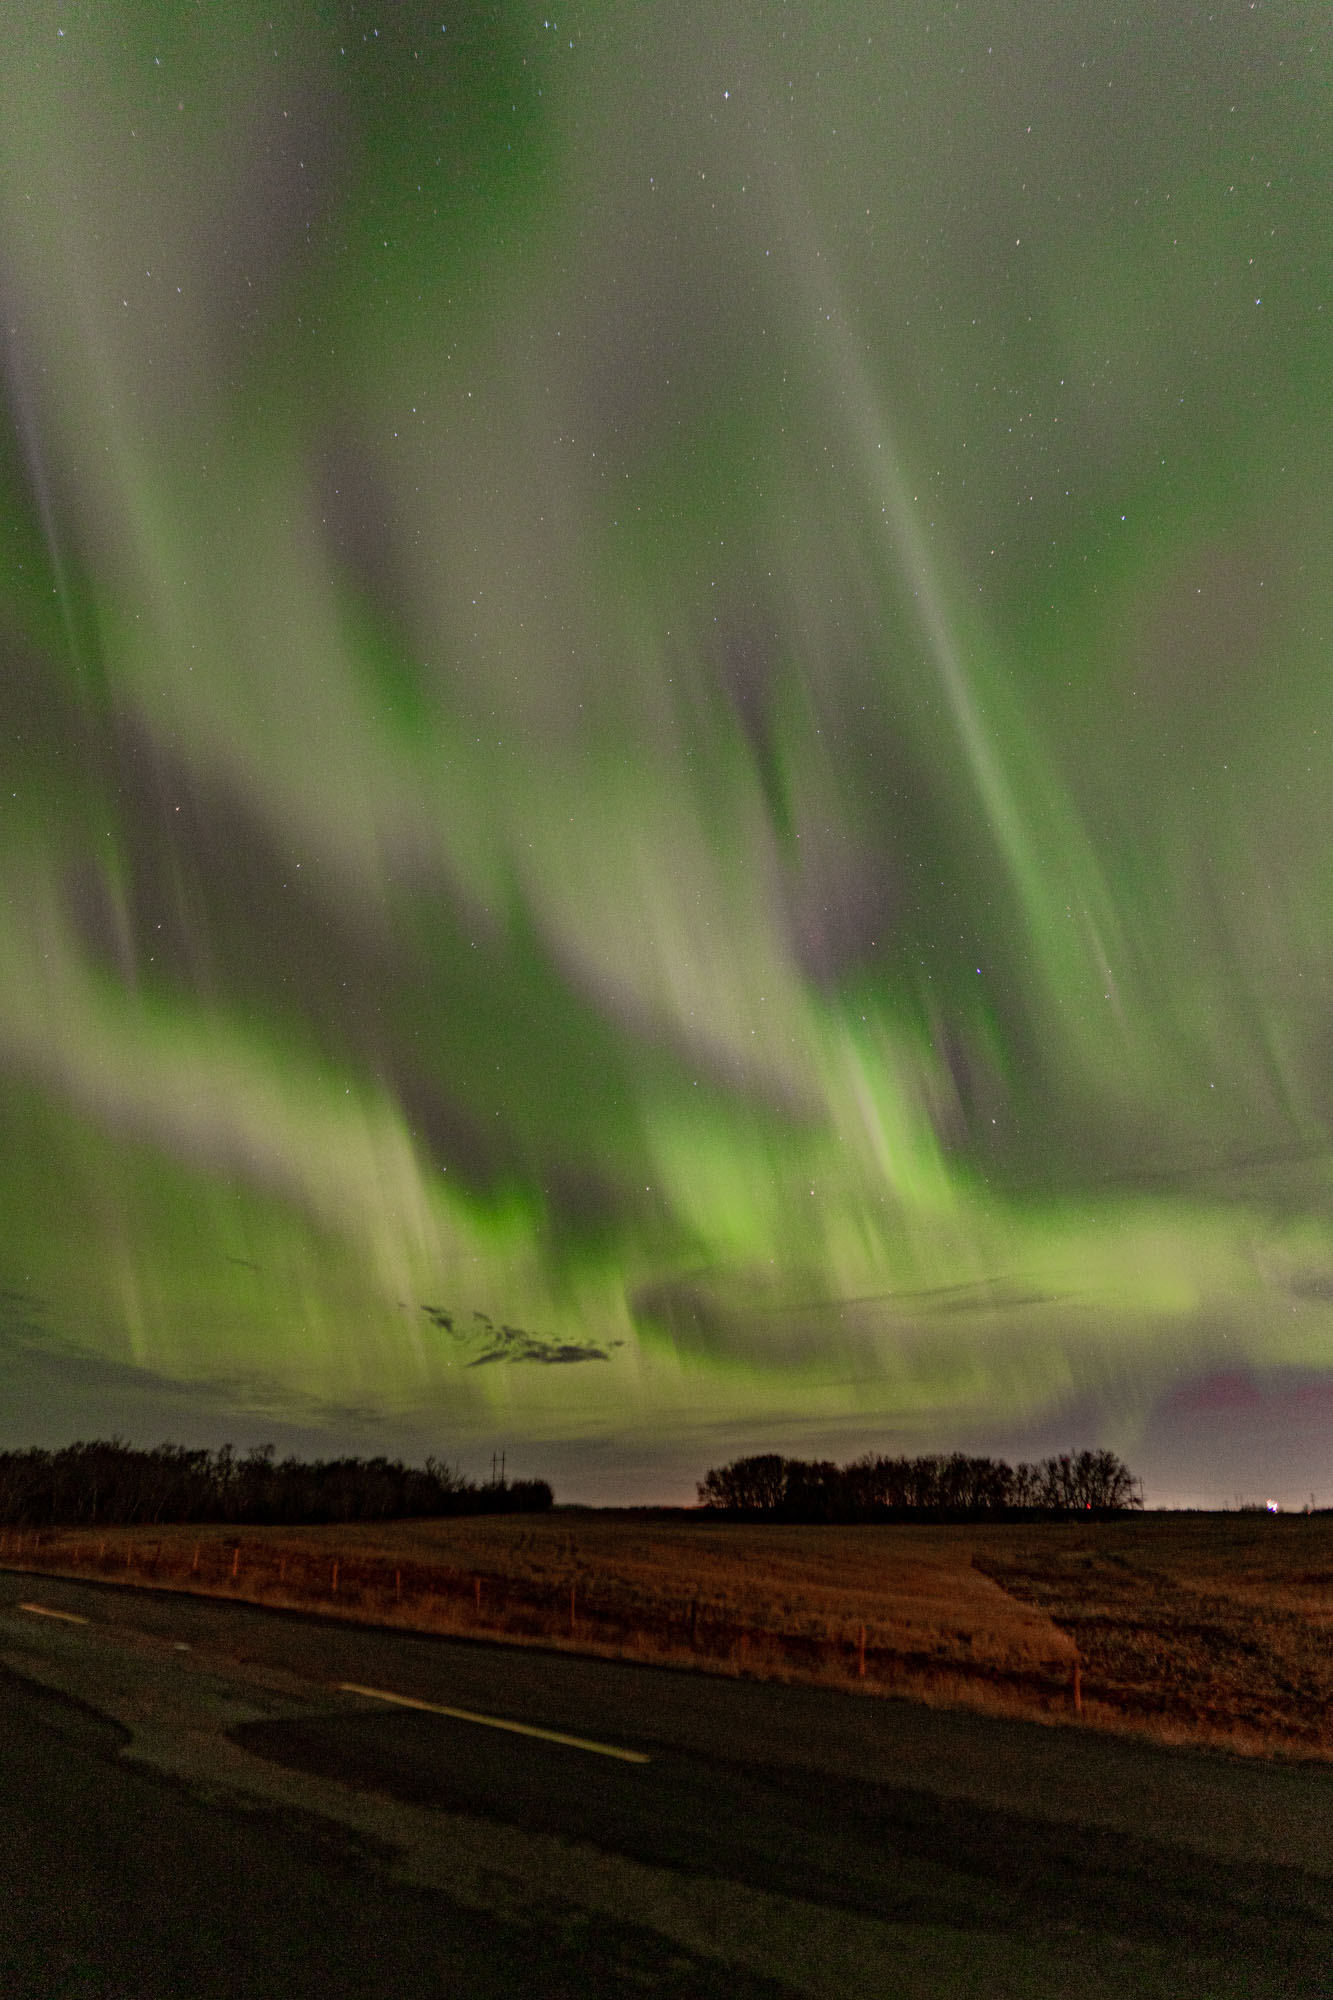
665,701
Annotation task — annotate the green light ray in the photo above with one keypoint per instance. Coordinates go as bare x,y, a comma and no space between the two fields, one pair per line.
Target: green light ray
624,721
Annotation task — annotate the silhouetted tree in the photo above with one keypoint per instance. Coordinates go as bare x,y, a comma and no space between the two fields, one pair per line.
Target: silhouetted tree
958,1487
754,1485
110,1482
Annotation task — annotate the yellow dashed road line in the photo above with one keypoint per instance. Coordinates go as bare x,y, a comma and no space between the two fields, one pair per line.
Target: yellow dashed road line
498,1722
49,1611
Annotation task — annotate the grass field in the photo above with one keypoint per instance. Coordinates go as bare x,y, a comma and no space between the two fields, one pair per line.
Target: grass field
1204,1628
1194,1626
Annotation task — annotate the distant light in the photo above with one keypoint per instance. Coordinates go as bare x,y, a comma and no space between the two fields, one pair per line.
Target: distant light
1272,1506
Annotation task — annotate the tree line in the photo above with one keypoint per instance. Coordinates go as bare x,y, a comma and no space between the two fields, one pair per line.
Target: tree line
109,1483
956,1487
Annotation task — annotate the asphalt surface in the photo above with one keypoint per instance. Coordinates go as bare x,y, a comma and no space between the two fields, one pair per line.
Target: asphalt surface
193,1802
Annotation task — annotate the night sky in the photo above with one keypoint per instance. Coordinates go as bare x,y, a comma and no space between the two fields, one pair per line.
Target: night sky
666,691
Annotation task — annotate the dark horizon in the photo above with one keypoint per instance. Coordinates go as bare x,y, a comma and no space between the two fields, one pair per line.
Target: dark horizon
527,1468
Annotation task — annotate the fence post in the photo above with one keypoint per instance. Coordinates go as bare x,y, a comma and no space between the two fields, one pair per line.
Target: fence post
1078,1687
194,1566
476,1591
236,1563
694,1621
861,1655
335,1573
398,1586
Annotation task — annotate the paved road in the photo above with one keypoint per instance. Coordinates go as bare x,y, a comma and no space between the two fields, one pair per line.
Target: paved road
194,1802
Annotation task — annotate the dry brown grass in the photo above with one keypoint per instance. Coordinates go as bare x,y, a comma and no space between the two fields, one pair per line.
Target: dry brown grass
1212,1628
779,1602
1189,1628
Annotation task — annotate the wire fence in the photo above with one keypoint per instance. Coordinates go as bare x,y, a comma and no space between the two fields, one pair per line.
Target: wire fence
583,1612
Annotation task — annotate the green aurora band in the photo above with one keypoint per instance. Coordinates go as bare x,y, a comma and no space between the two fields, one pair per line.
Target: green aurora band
665,712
